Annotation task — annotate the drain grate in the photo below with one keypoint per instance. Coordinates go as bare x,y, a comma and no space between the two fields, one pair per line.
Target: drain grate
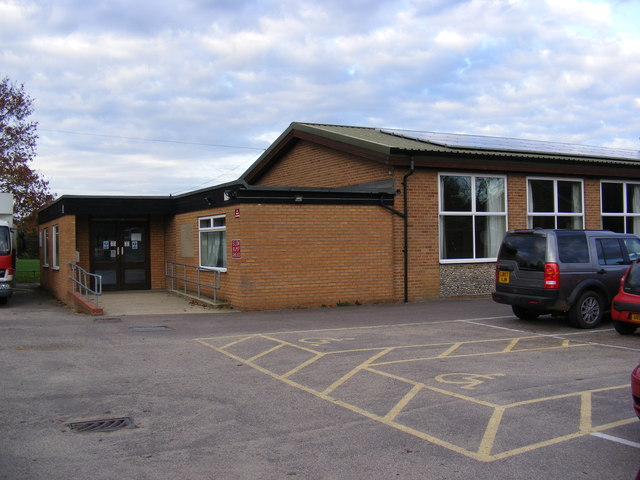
106,425
150,329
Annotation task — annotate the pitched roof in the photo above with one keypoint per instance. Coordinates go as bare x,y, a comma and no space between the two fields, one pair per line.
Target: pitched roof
387,142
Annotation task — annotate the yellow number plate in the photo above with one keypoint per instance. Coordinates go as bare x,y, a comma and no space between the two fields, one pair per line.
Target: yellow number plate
635,317
503,276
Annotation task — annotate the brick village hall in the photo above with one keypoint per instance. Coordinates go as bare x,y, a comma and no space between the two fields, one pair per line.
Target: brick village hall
332,214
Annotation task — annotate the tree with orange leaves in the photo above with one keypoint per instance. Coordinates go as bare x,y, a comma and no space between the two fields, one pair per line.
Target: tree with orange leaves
18,137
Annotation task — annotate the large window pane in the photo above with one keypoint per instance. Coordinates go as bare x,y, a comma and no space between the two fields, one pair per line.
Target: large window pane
213,249
572,223
615,224
633,225
213,242
489,233
633,198
490,194
541,195
456,194
569,197
543,222
612,198
457,243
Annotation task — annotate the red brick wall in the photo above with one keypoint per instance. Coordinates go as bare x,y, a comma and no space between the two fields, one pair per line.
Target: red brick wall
424,265
56,280
517,201
303,255
82,241
157,252
592,207
311,165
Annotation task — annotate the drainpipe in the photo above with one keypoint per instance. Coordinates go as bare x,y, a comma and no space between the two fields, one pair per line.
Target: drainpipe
405,217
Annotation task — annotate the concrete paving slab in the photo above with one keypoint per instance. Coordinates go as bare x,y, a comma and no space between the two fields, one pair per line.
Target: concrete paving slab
153,302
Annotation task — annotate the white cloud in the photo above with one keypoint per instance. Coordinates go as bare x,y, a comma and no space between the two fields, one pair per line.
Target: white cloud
237,73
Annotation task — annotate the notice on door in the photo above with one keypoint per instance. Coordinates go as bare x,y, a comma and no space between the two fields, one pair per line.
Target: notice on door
235,250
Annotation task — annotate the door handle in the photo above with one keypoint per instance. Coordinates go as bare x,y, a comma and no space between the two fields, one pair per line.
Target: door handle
602,272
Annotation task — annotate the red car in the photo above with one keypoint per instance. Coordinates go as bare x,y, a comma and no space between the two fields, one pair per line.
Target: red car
625,307
635,390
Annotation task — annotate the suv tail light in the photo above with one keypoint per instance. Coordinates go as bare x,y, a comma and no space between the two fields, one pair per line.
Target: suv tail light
551,275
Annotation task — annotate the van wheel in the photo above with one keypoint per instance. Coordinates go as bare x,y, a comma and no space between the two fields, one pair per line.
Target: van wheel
587,311
624,328
525,313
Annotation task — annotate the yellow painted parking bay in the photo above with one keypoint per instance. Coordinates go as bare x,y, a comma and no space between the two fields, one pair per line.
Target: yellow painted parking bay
486,394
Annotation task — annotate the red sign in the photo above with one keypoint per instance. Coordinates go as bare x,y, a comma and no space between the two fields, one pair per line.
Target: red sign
235,249
236,214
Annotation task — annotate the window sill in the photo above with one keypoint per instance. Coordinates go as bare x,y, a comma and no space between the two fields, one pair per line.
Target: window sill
213,269
467,260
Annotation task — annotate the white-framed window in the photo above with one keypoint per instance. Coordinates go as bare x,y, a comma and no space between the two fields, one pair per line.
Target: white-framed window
555,203
212,242
473,216
55,248
45,247
620,206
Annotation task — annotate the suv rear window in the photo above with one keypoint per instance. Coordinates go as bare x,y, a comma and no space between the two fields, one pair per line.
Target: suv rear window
572,247
528,251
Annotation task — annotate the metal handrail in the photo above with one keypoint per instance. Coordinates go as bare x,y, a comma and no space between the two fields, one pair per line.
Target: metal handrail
83,280
193,279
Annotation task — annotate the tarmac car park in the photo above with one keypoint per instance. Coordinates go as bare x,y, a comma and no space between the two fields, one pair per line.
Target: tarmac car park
444,389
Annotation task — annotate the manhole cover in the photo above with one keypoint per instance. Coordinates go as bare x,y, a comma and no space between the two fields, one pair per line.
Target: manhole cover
150,329
105,425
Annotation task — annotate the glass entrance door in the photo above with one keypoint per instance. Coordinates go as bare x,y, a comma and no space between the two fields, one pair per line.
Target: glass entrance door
119,252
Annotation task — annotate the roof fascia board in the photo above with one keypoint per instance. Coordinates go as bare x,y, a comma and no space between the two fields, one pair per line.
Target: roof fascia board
519,165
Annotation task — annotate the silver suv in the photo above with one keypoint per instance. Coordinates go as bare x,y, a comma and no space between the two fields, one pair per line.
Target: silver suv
562,271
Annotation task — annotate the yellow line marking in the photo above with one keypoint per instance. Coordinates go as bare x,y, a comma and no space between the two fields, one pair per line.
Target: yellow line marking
303,365
395,411
553,441
434,389
565,395
357,369
266,352
342,329
243,339
487,442
294,345
452,348
585,411
489,437
480,354
512,344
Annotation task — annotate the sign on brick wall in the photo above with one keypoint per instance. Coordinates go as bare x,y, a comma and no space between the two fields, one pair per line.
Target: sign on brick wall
235,249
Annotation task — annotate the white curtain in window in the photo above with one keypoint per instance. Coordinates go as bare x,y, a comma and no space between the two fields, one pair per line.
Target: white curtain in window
495,224
576,205
576,197
211,245
634,191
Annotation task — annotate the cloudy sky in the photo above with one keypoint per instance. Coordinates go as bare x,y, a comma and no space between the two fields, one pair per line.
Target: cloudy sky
158,97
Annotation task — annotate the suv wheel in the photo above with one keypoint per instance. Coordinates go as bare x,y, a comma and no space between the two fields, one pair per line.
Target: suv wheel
624,328
525,313
587,311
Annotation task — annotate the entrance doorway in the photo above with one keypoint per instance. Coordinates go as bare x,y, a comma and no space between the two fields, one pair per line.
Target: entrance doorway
120,253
